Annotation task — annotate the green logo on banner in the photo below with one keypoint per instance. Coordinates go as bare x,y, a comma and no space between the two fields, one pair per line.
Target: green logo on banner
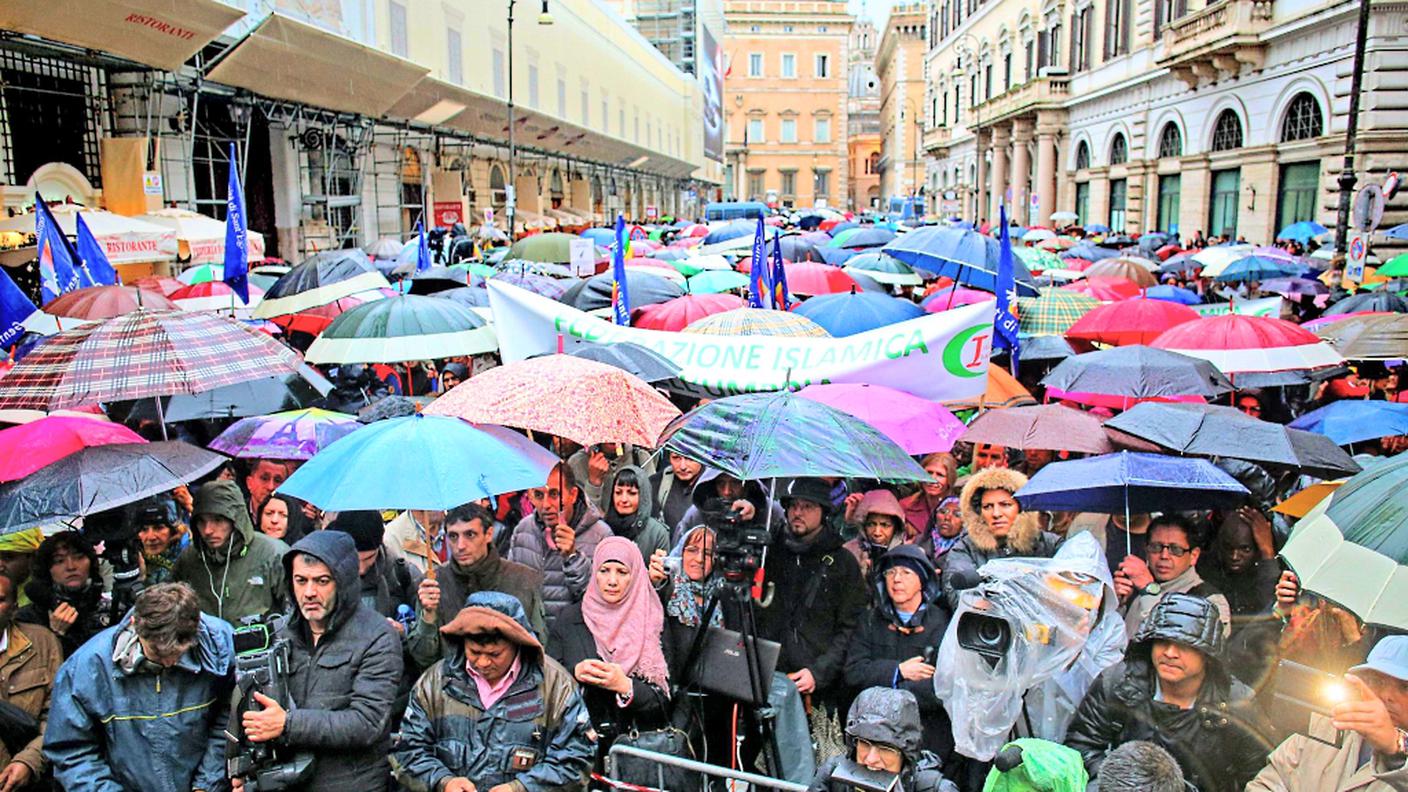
954,352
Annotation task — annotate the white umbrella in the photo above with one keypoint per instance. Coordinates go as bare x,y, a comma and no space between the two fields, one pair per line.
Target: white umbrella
1069,217
1038,235
199,237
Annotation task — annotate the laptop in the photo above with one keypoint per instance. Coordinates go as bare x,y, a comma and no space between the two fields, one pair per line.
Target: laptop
722,667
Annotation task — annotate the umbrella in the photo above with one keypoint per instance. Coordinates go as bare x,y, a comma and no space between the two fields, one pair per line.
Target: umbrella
955,295
1096,228
468,296
1052,427
884,269
1037,259
1173,294
678,313
962,254
1397,232
1183,263
639,361
1219,256
29,447
1295,287
550,288
315,320
1090,252
862,238
1218,431
1136,321
781,434
810,278
848,314
1059,243
917,425
1047,347
1303,231
554,248
293,390
438,279
159,283
1237,343
1106,288
714,281
402,329
320,280
732,230
393,406
1253,268
643,288
296,434
1350,420
1396,267
1300,504
384,248
1038,235
838,257
105,302
1377,302
419,462
1364,337
1351,548
205,273
1003,391
758,322
582,400
1053,312
215,296
866,283
794,248
1130,482
603,237
142,354
1122,268
1123,376
1064,217
99,478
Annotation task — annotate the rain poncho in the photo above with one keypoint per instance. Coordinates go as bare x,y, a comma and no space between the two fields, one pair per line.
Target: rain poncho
1045,767
1065,629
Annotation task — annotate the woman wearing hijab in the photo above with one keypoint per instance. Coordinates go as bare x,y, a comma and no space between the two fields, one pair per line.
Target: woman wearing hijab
281,517
611,642
629,502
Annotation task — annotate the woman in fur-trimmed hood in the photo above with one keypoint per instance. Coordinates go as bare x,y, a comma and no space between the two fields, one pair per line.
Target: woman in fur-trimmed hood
994,526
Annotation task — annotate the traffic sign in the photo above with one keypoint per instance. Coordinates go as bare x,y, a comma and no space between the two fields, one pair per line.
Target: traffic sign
1368,210
1357,253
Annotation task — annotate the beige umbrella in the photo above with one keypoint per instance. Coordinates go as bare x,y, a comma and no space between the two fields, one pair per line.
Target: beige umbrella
200,238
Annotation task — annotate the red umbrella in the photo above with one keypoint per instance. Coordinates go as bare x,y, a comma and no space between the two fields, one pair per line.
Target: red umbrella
676,314
810,278
1166,251
940,300
1236,343
159,283
24,449
829,223
696,230
1106,288
1136,321
1076,263
105,302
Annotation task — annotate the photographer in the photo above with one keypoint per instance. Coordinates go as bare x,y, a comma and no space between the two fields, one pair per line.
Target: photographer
883,736
745,497
140,707
1375,746
66,590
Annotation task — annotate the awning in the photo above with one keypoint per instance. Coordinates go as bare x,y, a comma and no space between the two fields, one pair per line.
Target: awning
125,240
161,33
292,60
200,238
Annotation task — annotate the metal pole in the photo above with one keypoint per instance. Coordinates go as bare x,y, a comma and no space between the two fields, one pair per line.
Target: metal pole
1347,178
512,171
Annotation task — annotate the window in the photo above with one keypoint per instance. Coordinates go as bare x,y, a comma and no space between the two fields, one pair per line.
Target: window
957,108
755,64
821,183
872,164
1222,210
787,29
1170,141
1082,155
1080,39
1119,150
1117,14
1169,189
1030,61
1006,71
789,65
789,182
605,113
1082,202
620,118
586,106
943,115
454,56
1166,11
987,81
1054,30
498,72
823,130
821,28
1303,120
399,45
1227,133
532,85
1295,195
1119,192
789,130
822,65
972,90
754,133
561,97
755,184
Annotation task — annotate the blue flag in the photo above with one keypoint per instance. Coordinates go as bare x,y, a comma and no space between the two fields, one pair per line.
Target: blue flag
236,271
15,307
422,248
620,298
780,296
93,262
758,296
56,272
1005,323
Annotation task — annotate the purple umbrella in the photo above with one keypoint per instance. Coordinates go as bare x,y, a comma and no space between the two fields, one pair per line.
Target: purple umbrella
296,434
1295,287
917,425
537,284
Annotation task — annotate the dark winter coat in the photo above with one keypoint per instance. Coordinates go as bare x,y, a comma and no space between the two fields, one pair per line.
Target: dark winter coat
565,578
491,573
978,546
571,642
890,717
343,685
44,596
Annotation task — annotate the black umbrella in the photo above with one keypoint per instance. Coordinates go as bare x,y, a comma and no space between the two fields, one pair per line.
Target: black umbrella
867,283
438,279
468,296
794,248
1369,301
1046,347
1182,263
292,391
321,279
642,288
1131,373
392,407
643,362
1217,431
98,478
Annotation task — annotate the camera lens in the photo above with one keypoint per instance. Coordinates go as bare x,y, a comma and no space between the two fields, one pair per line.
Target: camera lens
990,632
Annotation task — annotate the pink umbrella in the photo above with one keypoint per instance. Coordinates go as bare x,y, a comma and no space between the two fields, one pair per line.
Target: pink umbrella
696,230
940,300
29,447
917,425
680,312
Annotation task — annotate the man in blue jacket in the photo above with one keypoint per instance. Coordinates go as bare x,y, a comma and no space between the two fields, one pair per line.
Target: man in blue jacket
142,706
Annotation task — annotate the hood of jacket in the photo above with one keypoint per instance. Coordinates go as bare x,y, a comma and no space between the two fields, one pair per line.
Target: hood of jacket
888,716
1186,619
630,526
222,499
1026,530
491,611
706,488
213,653
339,552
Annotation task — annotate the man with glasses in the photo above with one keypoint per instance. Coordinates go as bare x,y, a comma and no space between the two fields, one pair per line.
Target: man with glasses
1169,565
558,539
883,732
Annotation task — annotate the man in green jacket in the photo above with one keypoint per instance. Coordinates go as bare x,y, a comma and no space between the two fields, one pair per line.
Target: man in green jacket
236,571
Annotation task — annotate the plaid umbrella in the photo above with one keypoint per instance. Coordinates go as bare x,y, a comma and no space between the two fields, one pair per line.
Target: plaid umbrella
296,434
105,302
142,354
758,322
1053,312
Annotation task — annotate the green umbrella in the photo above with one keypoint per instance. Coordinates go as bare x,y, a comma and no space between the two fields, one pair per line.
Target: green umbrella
884,269
553,248
1037,259
1396,267
402,329
1352,547
715,281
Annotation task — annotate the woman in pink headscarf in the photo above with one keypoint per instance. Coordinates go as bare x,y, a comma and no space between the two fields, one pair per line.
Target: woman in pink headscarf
611,642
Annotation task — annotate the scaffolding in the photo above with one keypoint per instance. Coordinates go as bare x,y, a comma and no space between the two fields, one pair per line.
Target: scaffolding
670,25
400,165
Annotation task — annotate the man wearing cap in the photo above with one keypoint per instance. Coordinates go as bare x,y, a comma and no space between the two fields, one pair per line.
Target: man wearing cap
1374,721
497,714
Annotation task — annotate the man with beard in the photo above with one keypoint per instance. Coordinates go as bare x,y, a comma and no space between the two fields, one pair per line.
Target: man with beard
234,569
558,539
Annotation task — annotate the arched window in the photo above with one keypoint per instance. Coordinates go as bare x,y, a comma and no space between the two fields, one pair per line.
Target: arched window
497,194
1303,119
1170,141
1082,156
1119,150
1227,133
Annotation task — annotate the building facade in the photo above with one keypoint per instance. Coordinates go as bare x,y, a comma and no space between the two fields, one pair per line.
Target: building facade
1225,117
899,63
785,100
863,118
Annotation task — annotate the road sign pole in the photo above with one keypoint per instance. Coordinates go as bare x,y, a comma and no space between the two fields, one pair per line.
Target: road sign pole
1347,179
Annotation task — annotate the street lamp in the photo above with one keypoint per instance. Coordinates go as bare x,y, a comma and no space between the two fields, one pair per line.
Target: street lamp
511,189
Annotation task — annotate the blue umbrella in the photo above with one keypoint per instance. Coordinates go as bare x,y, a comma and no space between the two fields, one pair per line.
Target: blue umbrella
1397,232
837,257
1169,293
419,462
1089,252
1182,263
863,238
1096,228
856,312
605,237
733,230
1257,268
843,226
1303,231
1355,420
964,255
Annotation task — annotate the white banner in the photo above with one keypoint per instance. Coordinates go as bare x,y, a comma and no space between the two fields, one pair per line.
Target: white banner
1265,306
939,357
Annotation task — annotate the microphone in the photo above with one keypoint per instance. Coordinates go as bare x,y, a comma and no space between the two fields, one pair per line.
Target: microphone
965,579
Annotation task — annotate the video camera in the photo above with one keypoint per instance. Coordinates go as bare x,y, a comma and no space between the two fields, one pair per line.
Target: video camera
738,543
1302,699
855,777
262,664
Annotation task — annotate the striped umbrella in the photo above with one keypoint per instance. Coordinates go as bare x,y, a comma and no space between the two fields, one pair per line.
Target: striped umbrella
295,434
401,329
1053,312
322,279
757,322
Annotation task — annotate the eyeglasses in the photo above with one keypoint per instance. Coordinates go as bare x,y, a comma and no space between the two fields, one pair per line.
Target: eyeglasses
864,747
1176,551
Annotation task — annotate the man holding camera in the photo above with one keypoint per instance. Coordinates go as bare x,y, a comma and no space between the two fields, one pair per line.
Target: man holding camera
1372,754
558,539
883,736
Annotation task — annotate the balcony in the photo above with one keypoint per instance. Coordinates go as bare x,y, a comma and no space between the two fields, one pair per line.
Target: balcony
1216,41
936,138
1048,90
